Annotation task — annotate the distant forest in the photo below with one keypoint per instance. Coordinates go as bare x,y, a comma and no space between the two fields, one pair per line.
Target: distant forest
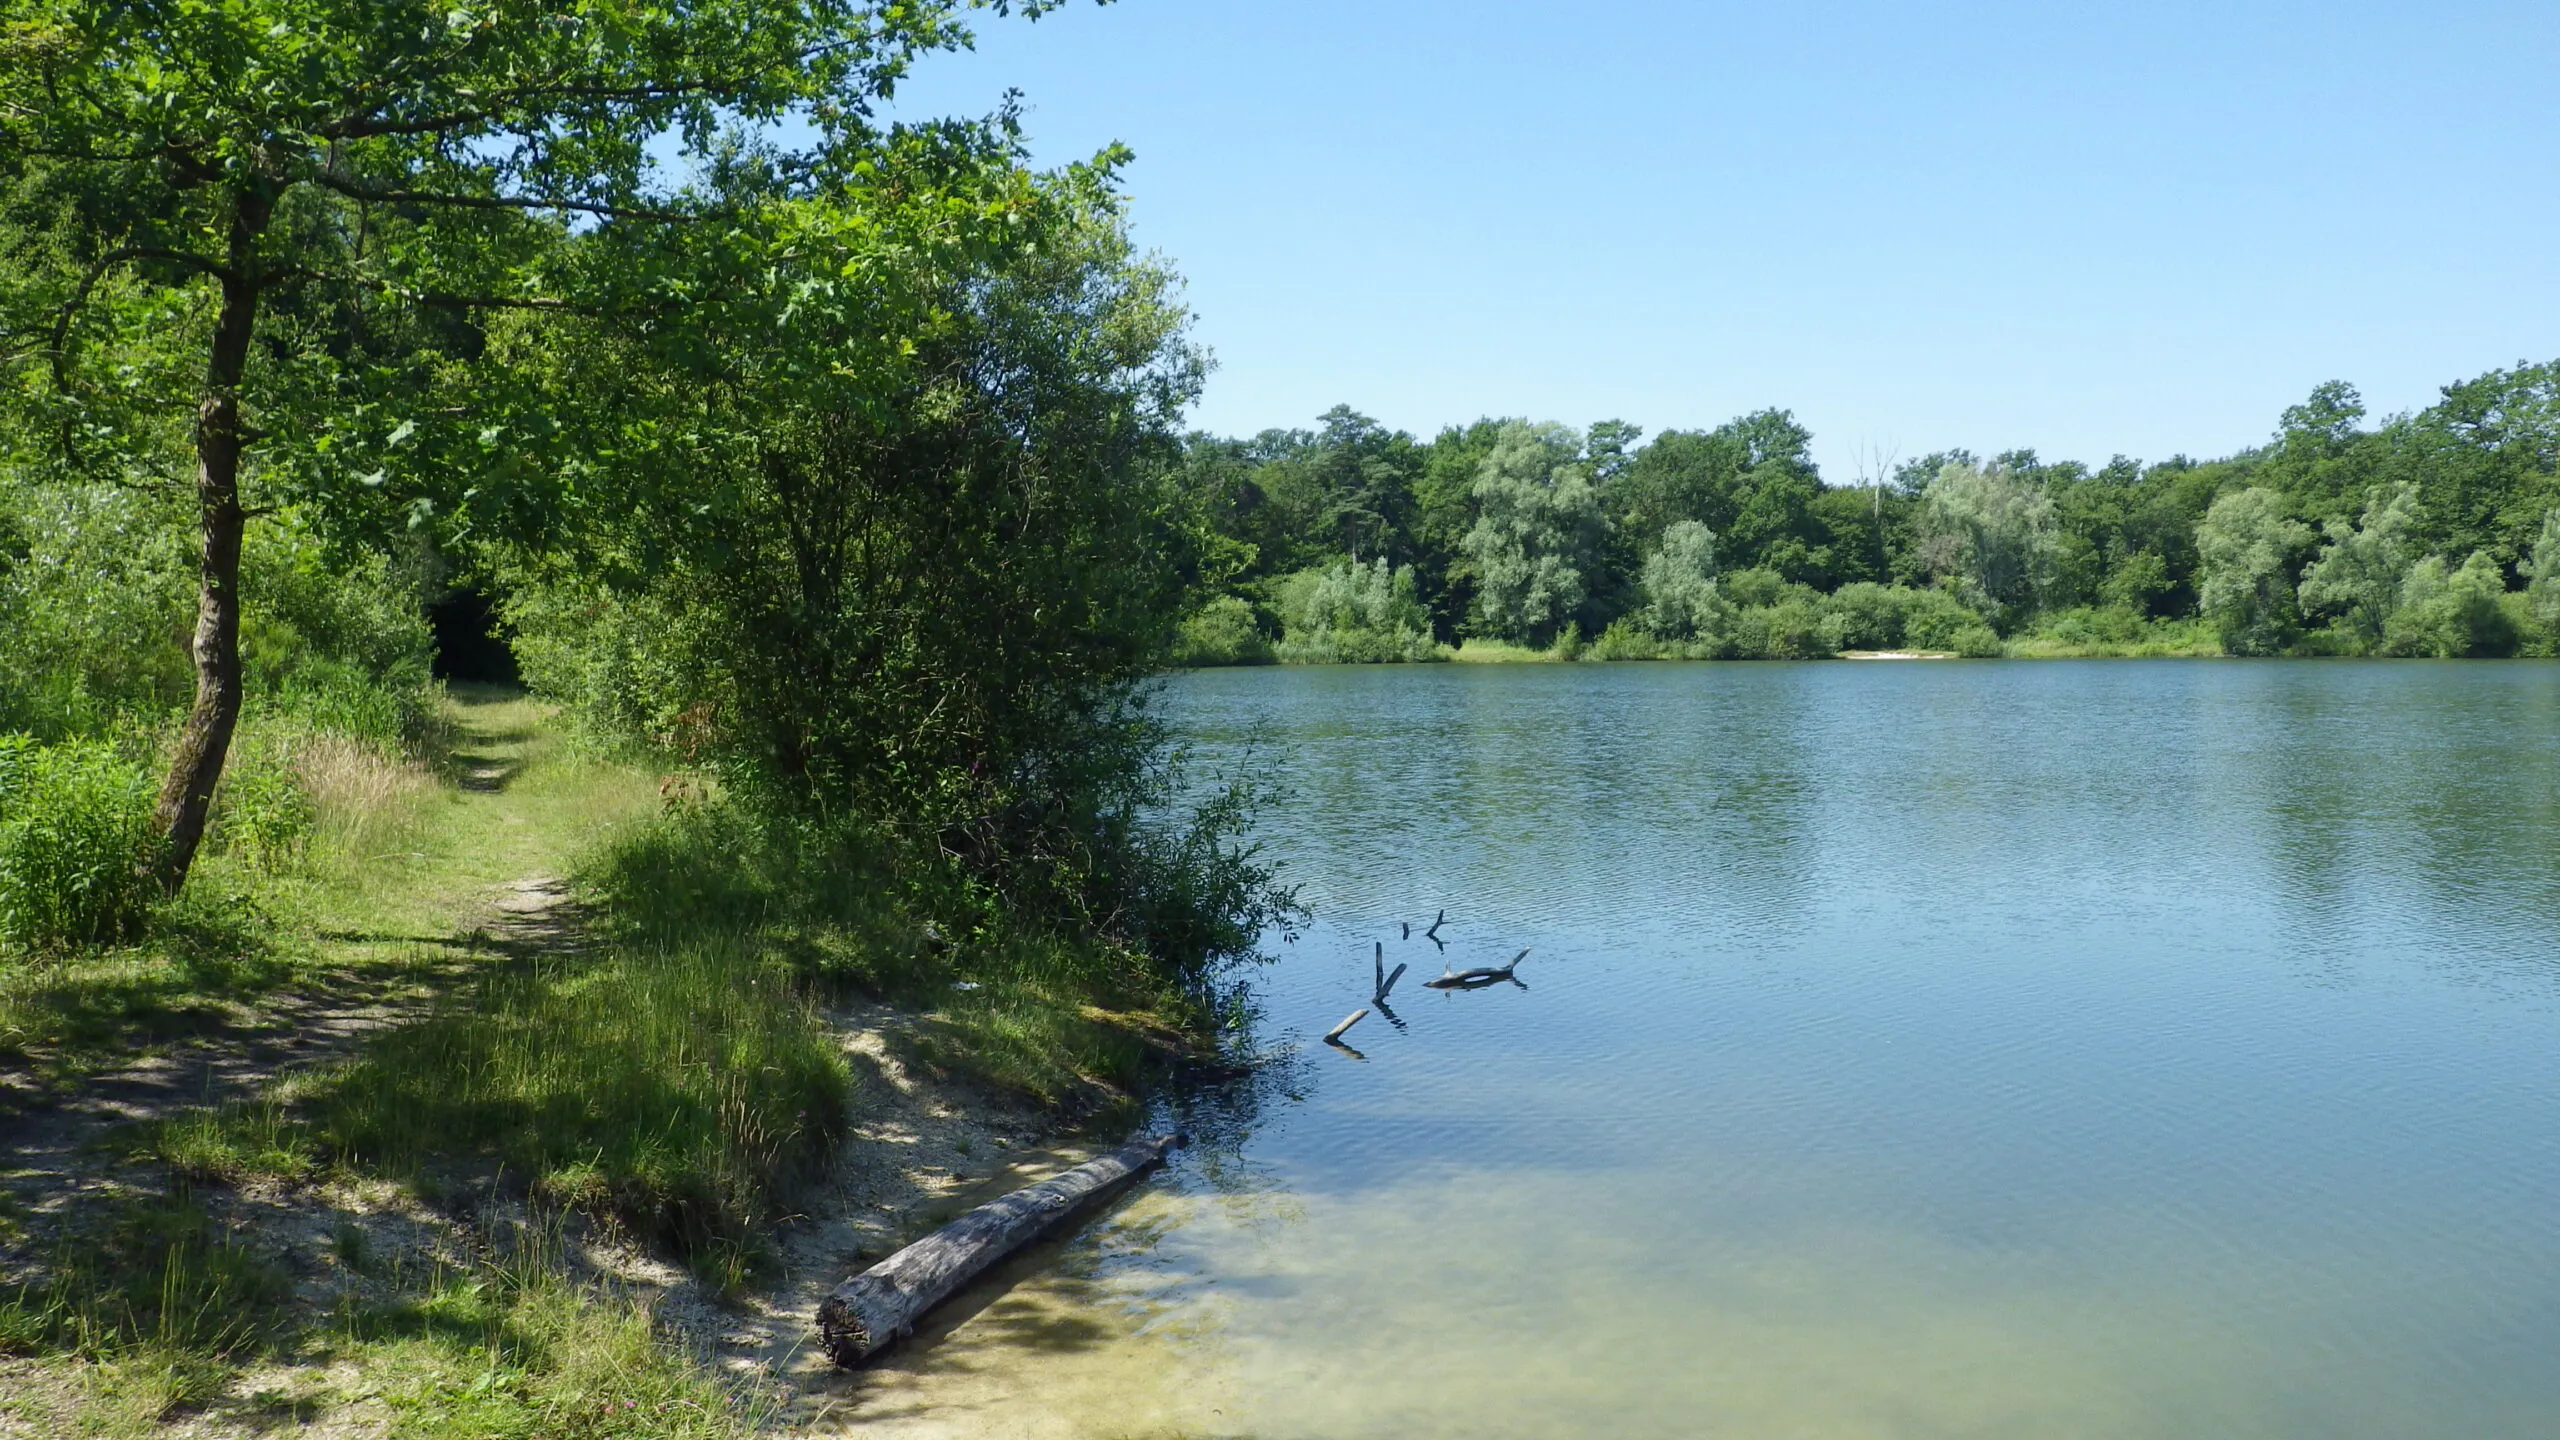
2435,533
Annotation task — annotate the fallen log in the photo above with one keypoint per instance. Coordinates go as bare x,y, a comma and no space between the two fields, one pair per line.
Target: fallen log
879,1307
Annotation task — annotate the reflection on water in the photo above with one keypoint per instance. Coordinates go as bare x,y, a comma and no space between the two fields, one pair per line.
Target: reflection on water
2119,1049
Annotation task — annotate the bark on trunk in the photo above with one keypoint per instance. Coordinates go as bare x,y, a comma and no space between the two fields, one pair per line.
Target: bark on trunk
187,796
880,1306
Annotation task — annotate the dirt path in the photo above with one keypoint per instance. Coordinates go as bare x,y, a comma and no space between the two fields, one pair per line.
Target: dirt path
50,1157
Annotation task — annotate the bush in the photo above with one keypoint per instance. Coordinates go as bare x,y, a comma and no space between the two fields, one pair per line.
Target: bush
1939,621
1223,632
1865,616
2448,613
1788,630
1354,614
262,812
75,833
1627,640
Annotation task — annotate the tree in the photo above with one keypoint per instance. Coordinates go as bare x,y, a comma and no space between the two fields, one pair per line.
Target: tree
1537,536
894,553
2245,547
2448,613
2360,571
1680,599
1355,612
1993,530
283,172
2544,571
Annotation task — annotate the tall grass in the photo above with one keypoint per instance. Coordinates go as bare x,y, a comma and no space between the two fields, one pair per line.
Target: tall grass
1068,1019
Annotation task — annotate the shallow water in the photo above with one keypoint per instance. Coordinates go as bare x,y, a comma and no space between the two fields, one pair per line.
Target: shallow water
2118,1049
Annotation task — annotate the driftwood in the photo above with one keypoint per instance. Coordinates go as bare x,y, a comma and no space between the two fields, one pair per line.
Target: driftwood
1479,977
1378,972
880,1306
1354,1018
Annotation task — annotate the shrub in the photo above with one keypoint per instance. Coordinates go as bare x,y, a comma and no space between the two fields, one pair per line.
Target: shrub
1681,601
262,813
1788,630
1627,640
1354,614
75,831
1223,632
1865,616
1937,620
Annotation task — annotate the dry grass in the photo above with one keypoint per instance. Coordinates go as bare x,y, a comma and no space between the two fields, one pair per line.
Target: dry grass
365,802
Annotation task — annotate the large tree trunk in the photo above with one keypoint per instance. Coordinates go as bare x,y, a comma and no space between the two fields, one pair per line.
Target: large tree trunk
187,796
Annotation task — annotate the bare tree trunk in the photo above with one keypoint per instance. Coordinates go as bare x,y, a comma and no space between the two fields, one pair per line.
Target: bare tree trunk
205,743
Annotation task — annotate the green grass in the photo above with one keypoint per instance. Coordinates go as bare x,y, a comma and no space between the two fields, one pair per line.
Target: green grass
1478,650
679,1092
148,1316
1067,1020
672,1077
370,901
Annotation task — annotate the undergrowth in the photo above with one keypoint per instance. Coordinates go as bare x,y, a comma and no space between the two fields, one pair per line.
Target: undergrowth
1068,1020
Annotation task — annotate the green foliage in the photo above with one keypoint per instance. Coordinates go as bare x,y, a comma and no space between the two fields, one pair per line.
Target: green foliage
1866,616
1226,631
1353,614
1031,1006
93,586
75,826
1992,530
2448,613
2055,553
2246,547
2360,572
1681,601
1537,536
923,598
2544,569
1791,629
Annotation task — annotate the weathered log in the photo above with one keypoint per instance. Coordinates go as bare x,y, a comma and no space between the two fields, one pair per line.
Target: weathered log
880,1306
1354,1018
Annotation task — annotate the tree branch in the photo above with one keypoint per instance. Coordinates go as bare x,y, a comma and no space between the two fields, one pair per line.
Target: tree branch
357,191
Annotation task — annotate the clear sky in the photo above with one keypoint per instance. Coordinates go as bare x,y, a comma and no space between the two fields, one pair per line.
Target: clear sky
2087,228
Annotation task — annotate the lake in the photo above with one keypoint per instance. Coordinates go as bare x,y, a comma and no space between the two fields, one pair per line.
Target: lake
2106,1049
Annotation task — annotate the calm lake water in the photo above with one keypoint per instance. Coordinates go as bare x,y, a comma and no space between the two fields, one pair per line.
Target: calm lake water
2140,1049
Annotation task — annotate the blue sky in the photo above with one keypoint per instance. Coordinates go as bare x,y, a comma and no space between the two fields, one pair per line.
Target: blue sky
2090,229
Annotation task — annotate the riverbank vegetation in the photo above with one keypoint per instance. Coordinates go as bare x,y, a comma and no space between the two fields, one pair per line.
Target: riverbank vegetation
2435,533
820,477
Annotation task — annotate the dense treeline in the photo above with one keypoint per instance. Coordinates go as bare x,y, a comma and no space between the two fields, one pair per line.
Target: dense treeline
2433,533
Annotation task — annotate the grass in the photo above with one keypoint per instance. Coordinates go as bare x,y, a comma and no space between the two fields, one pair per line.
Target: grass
672,1077
155,1314
678,1092
663,1090
1069,1021
1477,650
396,849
